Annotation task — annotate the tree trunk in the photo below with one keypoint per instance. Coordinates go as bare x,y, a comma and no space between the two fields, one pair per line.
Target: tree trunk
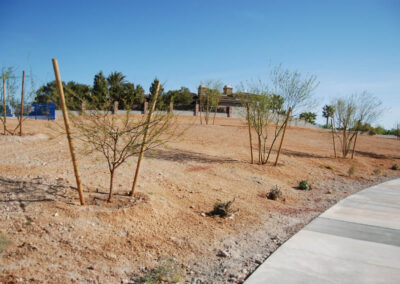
111,185
4,105
283,136
251,141
344,146
333,138
354,146
207,111
22,104
327,123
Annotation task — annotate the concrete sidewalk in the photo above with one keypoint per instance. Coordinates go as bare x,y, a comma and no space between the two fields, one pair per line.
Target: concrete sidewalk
355,241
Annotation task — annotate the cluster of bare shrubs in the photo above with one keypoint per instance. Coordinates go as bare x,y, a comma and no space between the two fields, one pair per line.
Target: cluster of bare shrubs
273,105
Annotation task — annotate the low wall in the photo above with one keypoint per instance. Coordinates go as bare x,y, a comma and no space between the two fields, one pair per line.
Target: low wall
237,112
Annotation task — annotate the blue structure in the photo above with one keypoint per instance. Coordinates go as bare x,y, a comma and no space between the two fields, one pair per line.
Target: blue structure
43,111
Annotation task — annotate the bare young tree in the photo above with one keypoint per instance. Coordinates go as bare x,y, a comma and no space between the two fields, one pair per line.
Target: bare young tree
350,113
11,99
118,138
266,106
209,99
296,91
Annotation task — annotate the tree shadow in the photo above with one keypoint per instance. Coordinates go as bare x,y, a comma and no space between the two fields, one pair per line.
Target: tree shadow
36,190
376,156
303,154
180,156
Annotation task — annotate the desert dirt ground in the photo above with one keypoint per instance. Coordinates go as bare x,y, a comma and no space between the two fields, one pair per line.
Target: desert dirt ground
53,239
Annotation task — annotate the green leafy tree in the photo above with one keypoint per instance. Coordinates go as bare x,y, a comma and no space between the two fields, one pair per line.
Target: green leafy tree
181,97
328,112
100,89
116,81
160,103
308,117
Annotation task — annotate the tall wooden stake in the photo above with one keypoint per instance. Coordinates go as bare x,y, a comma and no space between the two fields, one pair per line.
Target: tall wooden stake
149,115
333,138
283,135
4,104
67,129
251,140
22,104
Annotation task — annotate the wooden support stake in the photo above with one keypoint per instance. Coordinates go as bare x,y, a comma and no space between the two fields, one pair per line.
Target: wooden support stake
67,129
333,138
22,104
4,104
283,135
251,140
148,121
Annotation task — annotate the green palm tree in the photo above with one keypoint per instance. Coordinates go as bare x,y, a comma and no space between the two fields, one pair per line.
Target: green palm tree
328,112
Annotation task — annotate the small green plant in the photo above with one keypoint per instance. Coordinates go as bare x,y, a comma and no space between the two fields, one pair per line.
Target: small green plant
305,185
4,242
351,170
223,209
377,171
167,272
274,193
395,167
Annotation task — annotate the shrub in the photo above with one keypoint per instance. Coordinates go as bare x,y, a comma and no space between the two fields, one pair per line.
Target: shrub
4,242
395,167
223,209
274,193
305,185
351,170
377,171
167,272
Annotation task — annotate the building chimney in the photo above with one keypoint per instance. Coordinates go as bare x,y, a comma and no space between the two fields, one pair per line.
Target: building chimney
227,90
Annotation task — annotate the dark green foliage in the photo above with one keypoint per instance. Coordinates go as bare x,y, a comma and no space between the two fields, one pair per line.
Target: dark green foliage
74,93
100,89
276,104
274,193
304,185
395,167
223,209
160,105
328,112
308,117
181,97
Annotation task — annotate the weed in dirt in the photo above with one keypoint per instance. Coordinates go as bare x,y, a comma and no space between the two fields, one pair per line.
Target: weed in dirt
223,209
274,193
351,171
395,167
167,272
377,171
304,185
4,242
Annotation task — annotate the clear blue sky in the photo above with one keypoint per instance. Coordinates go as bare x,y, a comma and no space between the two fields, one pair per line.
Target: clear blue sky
350,45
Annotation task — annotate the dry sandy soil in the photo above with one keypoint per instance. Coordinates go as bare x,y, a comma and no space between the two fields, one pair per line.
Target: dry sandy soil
54,239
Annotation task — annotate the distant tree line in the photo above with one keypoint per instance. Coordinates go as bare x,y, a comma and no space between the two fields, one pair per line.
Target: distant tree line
114,87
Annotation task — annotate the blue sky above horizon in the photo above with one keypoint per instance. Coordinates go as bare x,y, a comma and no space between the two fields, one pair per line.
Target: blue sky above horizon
350,46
